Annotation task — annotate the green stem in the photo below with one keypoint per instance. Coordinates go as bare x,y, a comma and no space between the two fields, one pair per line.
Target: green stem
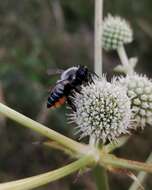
39,180
101,178
123,56
124,60
113,161
99,172
55,145
98,37
112,146
51,134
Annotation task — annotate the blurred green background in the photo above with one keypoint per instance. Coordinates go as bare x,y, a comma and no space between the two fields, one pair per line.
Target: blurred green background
36,36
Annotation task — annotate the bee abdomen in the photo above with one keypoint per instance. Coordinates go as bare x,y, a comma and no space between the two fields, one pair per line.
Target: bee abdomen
56,103
56,97
50,102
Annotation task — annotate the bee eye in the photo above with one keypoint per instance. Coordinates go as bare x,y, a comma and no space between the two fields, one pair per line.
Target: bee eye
82,71
71,77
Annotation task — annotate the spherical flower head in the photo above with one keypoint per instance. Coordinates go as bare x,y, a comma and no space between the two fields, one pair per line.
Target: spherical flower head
102,111
140,92
116,32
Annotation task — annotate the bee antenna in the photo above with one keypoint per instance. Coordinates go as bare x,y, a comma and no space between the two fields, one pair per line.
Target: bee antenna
78,66
82,66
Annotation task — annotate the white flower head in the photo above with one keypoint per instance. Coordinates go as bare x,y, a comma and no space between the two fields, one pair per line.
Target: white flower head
116,32
140,91
102,111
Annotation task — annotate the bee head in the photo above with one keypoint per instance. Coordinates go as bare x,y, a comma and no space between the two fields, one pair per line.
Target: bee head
82,73
79,73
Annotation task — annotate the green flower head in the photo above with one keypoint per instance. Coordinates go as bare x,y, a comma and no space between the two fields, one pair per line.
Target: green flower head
116,32
140,91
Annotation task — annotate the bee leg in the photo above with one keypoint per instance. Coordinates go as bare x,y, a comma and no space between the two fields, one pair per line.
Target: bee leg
95,74
77,89
91,76
71,104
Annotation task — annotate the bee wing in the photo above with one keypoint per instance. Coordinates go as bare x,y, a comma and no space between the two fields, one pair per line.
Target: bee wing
62,82
54,71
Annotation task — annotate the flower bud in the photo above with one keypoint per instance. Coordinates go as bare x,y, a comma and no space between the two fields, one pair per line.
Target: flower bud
140,91
116,32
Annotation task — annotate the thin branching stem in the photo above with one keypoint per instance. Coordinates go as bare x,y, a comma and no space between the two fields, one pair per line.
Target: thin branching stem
112,146
51,134
141,176
42,179
111,160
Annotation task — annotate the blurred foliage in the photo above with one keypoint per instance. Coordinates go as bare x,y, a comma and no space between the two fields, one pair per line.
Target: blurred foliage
36,36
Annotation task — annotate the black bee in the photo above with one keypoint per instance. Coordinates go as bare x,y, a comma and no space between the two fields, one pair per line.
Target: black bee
70,81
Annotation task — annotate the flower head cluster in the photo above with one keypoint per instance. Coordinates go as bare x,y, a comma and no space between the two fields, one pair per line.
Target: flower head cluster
140,92
116,32
102,110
